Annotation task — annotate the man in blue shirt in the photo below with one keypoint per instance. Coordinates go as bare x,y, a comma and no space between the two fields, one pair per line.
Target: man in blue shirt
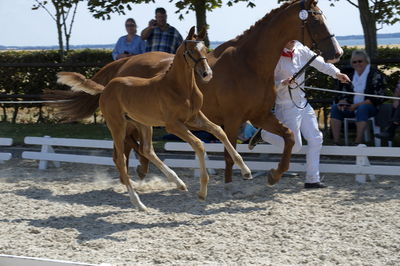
160,36
130,44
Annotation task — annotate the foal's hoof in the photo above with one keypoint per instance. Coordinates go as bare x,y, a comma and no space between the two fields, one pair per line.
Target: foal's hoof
273,177
201,197
247,176
182,187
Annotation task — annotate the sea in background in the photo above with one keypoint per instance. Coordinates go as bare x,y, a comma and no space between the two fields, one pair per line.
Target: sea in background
353,40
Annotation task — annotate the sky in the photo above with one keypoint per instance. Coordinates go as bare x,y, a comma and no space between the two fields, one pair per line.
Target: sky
22,26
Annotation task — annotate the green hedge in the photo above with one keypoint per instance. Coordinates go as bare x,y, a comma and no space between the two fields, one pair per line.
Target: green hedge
32,80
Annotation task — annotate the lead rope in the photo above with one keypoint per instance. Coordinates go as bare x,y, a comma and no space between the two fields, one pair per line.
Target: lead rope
298,86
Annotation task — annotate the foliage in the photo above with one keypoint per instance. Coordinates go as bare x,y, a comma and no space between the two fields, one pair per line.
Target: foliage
103,8
31,80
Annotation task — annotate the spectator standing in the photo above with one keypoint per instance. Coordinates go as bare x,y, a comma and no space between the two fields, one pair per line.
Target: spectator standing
160,36
130,44
365,79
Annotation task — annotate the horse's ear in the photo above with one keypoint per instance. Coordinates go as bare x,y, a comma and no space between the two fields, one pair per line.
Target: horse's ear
191,33
202,35
310,3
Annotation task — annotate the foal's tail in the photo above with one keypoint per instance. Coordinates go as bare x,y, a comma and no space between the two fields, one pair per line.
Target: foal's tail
78,82
78,103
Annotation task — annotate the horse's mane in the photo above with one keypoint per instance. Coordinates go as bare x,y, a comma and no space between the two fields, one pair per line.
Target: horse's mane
218,51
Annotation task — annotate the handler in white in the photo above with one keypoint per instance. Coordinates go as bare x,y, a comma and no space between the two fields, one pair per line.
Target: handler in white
291,111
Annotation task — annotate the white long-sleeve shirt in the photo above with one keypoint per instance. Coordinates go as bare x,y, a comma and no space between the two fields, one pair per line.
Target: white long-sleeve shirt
287,67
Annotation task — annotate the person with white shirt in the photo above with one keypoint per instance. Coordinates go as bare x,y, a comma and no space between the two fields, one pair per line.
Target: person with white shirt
367,80
292,109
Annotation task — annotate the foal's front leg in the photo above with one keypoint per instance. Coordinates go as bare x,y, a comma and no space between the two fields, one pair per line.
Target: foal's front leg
147,150
201,122
180,130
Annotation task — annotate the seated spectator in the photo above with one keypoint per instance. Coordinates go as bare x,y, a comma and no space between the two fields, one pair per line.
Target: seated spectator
130,44
160,36
390,131
365,79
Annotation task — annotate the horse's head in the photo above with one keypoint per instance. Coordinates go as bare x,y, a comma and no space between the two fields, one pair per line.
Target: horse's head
195,53
315,33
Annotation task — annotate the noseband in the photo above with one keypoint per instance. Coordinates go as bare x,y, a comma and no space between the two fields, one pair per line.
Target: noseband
187,53
304,18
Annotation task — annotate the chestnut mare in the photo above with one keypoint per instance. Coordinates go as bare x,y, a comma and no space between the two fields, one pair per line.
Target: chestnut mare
243,85
172,100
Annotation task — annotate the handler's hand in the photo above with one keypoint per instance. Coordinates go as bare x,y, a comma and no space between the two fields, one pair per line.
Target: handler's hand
287,81
343,78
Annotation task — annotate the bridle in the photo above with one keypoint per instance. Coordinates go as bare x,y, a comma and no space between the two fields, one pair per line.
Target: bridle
303,15
188,54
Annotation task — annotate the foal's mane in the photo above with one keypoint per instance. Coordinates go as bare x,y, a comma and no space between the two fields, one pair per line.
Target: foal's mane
239,38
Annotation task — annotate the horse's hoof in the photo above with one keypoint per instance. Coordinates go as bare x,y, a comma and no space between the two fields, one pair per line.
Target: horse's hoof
140,173
273,178
201,197
247,176
182,187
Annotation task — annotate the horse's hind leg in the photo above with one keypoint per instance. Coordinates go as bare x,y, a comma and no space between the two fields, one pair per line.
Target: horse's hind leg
201,122
117,126
132,141
183,132
270,123
146,133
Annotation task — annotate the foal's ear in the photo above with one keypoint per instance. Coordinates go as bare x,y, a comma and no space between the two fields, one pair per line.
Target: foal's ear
191,34
202,35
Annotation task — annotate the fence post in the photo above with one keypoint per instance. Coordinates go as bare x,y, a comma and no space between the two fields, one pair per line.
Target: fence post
47,149
363,161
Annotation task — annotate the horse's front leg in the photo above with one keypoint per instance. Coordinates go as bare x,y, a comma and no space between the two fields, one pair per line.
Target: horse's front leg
146,146
201,122
180,130
270,123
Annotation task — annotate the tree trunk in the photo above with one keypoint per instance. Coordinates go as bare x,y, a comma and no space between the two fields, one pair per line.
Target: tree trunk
201,18
59,31
368,23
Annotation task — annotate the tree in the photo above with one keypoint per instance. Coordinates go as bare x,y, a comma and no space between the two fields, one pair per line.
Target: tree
103,8
373,15
64,16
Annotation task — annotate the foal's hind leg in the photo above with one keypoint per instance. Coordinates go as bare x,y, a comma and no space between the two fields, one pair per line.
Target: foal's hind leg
117,129
132,141
146,133
270,123
201,122
180,130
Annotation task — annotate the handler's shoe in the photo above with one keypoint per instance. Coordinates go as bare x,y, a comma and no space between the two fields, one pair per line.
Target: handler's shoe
314,185
255,139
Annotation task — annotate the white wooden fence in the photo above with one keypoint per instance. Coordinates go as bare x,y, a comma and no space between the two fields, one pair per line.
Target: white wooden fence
358,163
360,166
48,152
4,156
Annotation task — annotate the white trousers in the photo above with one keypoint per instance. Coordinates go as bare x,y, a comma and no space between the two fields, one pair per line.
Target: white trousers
301,122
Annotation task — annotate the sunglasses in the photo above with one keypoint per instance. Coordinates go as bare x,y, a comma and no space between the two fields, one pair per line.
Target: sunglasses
130,25
357,61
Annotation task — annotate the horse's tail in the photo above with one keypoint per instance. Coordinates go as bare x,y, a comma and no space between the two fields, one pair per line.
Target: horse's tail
78,103
78,82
